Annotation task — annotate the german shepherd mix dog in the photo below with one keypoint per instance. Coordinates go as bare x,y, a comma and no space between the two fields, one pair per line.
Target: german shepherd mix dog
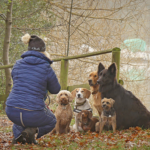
130,112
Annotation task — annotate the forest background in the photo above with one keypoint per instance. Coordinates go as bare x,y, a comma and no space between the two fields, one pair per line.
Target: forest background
72,27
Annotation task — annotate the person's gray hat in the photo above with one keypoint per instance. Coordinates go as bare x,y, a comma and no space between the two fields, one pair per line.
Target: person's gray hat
34,43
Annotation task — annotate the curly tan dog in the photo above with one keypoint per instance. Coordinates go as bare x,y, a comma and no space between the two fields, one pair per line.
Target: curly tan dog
93,77
63,112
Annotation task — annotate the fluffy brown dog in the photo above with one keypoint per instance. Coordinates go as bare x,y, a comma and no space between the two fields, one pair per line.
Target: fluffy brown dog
129,109
93,77
87,120
108,116
63,112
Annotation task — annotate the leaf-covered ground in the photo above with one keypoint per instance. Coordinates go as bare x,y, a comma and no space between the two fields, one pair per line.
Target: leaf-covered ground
133,138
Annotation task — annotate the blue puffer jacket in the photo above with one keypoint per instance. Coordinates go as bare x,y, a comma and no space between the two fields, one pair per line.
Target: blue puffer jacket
32,77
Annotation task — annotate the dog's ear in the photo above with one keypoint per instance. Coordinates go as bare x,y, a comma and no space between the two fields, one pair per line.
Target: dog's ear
58,97
73,93
112,69
90,115
112,101
102,100
79,116
70,96
100,68
87,93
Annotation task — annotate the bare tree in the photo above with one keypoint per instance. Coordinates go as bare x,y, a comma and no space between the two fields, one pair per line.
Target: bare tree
6,46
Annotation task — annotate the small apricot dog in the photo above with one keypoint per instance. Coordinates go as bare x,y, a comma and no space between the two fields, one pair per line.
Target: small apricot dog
96,95
63,112
108,116
87,120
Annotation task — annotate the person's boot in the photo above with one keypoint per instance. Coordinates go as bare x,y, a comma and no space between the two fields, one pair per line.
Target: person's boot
29,135
21,140
14,141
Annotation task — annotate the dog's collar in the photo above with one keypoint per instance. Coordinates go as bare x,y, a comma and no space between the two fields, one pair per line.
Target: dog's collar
109,113
94,92
94,84
80,104
78,110
86,123
64,104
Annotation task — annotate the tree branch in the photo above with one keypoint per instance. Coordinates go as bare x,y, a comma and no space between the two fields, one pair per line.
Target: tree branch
3,16
69,28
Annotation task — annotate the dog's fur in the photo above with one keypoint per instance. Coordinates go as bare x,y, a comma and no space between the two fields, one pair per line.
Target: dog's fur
129,109
87,120
81,96
63,112
96,95
108,116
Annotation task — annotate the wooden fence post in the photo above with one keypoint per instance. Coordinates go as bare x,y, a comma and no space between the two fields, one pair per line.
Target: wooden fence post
116,59
64,74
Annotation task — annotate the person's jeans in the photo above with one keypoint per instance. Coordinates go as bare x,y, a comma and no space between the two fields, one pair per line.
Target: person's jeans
44,120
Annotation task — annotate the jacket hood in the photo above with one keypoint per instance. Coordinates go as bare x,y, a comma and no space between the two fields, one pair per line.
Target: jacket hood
34,57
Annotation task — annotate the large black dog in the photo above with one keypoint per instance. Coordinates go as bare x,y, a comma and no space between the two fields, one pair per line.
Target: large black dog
130,111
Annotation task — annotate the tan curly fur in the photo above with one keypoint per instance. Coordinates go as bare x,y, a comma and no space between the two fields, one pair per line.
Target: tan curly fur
63,112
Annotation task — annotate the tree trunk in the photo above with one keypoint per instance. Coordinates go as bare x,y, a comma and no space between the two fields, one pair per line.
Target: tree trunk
6,46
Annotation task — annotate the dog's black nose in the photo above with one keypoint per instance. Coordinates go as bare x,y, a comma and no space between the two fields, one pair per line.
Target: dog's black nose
90,81
78,95
104,105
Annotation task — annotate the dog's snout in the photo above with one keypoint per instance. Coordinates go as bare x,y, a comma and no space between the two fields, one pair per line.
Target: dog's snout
79,95
104,105
90,81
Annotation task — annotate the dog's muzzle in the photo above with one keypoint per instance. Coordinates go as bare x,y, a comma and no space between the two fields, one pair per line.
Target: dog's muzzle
105,106
79,95
90,82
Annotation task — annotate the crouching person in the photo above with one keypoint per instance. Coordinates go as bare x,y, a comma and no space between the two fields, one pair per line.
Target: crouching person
32,77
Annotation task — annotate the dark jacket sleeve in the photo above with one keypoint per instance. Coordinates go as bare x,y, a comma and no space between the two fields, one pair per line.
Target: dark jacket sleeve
53,84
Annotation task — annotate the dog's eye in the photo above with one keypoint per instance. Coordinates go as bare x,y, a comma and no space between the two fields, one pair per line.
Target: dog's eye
82,91
100,74
60,94
103,75
89,75
65,94
107,102
95,76
77,91
103,102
